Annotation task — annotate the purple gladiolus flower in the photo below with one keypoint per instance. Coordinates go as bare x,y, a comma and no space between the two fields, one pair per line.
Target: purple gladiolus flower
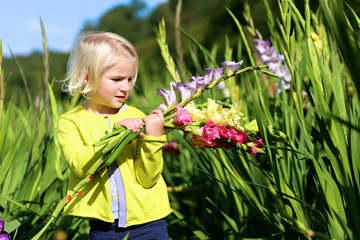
232,65
270,57
216,73
2,224
169,95
185,90
202,82
280,86
262,45
3,234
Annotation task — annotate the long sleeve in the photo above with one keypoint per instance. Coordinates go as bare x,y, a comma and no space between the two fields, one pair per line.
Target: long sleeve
79,154
149,160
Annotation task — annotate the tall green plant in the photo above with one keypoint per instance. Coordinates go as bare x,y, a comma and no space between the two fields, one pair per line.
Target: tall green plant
308,184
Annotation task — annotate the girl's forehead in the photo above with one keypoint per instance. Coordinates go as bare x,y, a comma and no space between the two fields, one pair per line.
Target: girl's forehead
123,66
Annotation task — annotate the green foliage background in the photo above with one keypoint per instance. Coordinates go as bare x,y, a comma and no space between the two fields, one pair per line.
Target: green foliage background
305,186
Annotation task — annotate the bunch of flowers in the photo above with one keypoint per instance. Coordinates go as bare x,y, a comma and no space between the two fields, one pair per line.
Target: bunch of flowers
270,57
3,234
213,125
210,124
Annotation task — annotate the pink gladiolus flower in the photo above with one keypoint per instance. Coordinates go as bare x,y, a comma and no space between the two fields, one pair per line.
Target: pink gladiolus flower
258,143
211,130
219,136
182,117
240,137
254,151
198,141
171,147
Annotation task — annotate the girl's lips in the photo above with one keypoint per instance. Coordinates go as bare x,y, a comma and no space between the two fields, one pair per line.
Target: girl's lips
120,97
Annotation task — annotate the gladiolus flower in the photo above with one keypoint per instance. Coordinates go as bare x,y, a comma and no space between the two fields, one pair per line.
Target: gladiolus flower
3,234
171,147
261,46
210,131
169,95
2,225
78,193
239,136
258,143
69,197
213,134
202,82
90,179
269,56
196,114
232,65
216,73
185,90
280,85
182,117
197,141
254,151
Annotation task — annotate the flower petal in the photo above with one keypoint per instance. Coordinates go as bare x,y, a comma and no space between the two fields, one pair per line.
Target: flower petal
232,65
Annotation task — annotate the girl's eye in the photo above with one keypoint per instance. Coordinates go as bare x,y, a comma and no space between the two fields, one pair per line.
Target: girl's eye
121,79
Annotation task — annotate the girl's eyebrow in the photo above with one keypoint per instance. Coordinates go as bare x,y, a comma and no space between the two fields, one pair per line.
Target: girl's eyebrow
117,75
120,76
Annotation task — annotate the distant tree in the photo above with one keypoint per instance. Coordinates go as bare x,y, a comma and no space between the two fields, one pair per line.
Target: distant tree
125,20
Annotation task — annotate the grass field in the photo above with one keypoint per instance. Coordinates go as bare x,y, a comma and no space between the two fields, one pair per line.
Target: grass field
305,186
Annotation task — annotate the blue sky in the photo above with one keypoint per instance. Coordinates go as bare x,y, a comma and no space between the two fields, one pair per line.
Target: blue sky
20,21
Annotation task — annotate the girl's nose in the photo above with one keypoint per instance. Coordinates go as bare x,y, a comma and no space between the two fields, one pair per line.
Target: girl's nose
125,85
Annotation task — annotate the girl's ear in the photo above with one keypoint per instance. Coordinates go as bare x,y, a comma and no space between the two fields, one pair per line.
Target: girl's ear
86,80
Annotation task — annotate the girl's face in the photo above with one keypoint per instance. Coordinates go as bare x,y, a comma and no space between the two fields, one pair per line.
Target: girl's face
114,88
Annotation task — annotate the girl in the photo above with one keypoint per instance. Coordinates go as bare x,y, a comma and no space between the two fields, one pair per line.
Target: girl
130,196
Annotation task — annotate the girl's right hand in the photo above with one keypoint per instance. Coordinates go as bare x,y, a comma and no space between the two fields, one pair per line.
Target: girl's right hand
133,124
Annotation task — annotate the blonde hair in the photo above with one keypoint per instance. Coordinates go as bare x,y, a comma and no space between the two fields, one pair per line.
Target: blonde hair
91,55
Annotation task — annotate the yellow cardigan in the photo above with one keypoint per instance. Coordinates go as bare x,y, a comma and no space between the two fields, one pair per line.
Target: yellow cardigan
140,164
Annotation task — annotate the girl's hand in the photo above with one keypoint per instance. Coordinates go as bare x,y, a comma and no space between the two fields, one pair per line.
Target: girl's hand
154,123
133,124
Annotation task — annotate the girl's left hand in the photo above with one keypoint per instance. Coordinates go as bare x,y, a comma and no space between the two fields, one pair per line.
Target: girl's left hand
133,124
154,123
